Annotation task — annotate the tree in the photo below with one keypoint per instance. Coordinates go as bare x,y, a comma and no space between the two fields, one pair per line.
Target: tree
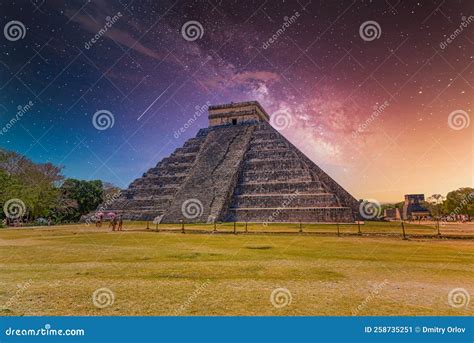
435,204
32,183
87,195
461,201
44,192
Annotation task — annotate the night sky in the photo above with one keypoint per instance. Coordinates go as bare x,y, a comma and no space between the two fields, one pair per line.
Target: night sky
385,111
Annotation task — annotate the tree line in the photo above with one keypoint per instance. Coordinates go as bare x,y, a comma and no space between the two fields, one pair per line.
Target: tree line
41,192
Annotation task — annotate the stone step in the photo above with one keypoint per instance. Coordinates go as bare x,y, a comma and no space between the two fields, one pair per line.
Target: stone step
192,149
274,182
191,142
284,153
163,172
152,184
187,159
171,169
153,191
259,175
274,164
304,215
268,142
159,179
281,187
285,200
266,135
144,197
264,178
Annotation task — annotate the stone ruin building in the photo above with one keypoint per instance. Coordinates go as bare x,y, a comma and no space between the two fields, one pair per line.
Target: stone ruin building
413,208
238,169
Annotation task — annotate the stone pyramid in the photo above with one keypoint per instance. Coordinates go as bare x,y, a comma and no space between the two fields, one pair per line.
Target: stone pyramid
238,169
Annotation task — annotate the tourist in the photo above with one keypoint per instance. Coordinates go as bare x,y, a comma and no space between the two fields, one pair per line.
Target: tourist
113,223
98,221
120,223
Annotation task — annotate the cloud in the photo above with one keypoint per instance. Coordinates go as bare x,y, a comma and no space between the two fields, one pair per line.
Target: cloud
94,22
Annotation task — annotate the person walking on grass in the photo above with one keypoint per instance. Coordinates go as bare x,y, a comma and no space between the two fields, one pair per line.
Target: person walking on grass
113,223
120,223
99,223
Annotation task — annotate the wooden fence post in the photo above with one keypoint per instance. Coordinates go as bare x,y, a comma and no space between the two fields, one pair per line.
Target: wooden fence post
403,230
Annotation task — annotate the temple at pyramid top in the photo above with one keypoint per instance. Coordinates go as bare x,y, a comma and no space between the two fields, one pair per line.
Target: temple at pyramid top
237,113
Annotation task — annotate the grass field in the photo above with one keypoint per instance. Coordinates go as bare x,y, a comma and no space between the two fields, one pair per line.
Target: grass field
55,271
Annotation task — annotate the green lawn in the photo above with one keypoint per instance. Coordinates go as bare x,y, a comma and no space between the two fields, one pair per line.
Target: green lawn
55,271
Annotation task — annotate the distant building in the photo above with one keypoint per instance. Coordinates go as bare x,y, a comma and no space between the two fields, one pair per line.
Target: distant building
413,208
392,214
